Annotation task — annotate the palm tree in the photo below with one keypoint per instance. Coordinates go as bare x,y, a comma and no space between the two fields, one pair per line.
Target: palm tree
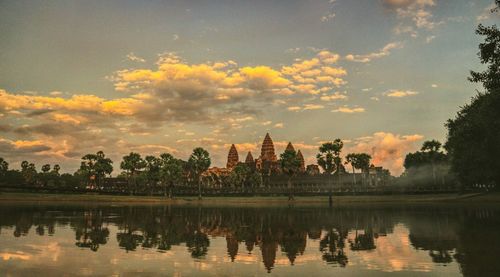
96,166
55,169
4,166
290,165
152,171
198,162
328,160
352,159
363,163
432,147
170,172
132,163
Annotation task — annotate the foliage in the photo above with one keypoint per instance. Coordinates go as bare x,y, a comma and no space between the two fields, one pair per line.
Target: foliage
290,162
171,170
474,133
4,167
132,163
199,161
239,175
329,156
473,140
96,166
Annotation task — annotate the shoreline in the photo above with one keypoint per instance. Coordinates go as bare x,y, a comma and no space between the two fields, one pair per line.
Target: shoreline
476,198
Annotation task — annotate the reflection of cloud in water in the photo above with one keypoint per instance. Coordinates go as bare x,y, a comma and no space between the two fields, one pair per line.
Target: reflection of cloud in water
392,253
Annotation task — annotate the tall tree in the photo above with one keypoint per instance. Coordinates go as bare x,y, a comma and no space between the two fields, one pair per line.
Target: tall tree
359,161
170,172
4,167
198,162
28,170
239,175
95,167
329,160
474,133
432,147
132,164
290,165
152,171
55,169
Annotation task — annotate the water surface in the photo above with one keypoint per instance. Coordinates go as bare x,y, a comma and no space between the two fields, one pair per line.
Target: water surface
423,240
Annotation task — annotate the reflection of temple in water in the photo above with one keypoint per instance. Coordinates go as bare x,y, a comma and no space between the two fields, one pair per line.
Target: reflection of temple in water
448,235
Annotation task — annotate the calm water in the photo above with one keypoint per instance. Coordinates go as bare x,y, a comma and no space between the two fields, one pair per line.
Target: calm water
227,241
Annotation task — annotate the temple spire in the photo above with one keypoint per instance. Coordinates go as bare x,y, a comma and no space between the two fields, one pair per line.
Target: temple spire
232,157
249,158
267,151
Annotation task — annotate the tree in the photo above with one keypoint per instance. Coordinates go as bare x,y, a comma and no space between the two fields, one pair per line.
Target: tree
239,175
95,167
4,167
152,171
171,172
329,160
290,165
55,169
28,170
198,162
474,133
432,147
359,161
132,164
45,168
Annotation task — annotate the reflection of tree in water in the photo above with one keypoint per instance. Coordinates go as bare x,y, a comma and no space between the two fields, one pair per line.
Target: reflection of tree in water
89,230
332,246
479,244
197,244
447,233
363,242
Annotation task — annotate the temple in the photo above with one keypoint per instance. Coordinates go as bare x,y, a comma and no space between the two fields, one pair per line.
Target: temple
267,166
232,157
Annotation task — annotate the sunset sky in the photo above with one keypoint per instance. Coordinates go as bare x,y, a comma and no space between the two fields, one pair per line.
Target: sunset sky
77,77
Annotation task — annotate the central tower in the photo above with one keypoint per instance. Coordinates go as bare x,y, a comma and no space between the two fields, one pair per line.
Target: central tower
267,151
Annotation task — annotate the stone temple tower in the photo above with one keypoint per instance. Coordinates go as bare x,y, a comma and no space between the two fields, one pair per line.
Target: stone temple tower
302,162
249,159
232,157
267,150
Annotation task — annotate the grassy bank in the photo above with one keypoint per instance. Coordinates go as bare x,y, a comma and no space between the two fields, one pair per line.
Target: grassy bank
260,200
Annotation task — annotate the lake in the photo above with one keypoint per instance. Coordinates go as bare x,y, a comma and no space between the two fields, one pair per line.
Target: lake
188,240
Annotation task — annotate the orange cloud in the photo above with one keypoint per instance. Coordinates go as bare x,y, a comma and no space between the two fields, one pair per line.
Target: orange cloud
387,149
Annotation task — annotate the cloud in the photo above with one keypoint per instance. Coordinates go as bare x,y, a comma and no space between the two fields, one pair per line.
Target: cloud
132,57
335,96
429,39
385,51
331,14
400,93
279,125
486,14
79,103
328,17
349,110
387,149
305,107
414,14
434,85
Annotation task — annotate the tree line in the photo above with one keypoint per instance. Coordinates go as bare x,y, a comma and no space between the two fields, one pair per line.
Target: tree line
165,172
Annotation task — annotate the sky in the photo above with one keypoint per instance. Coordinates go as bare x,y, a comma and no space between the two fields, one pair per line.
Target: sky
151,77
